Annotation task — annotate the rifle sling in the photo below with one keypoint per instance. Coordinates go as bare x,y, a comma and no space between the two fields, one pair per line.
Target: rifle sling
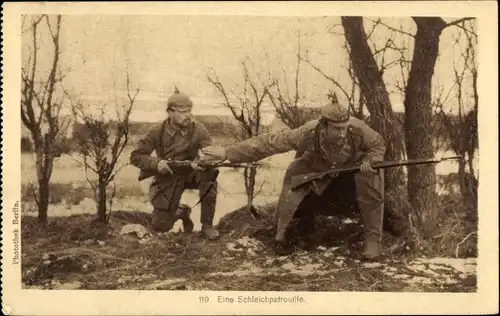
212,183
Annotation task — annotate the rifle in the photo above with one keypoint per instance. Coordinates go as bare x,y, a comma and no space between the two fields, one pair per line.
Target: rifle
300,180
204,164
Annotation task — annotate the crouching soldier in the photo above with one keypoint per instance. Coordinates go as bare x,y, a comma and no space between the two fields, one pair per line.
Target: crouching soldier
178,137
334,140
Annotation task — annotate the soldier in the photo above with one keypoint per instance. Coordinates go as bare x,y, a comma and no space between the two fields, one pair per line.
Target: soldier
331,141
178,137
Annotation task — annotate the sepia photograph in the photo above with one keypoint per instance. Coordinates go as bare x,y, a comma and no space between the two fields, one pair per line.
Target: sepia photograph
252,159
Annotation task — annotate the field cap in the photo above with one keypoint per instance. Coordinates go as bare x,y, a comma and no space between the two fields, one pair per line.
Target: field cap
179,101
335,112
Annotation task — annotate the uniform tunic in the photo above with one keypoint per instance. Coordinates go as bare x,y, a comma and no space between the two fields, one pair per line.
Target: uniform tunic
170,143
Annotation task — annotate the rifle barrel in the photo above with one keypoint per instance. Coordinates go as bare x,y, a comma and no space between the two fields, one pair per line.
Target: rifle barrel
396,163
181,163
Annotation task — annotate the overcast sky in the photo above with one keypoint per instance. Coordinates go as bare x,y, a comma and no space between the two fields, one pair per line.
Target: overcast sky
166,51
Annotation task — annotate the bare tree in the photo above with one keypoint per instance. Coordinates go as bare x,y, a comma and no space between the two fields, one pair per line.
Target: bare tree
101,143
42,100
460,128
418,117
416,87
383,120
247,111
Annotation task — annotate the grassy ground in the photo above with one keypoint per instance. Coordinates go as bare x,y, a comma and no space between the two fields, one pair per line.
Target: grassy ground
73,253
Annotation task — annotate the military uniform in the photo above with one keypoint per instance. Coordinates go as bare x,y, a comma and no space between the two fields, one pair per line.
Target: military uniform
171,143
362,145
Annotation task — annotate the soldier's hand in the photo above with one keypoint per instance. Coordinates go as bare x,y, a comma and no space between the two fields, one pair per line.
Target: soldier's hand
163,167
214,153
367,168
197,167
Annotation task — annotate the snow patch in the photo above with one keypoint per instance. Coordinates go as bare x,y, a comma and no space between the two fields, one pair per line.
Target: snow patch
349,221
444,271
322,248
245,244
466,266
304,270
372,265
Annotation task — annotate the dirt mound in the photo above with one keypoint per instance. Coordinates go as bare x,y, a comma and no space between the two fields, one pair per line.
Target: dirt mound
245,222
121,218
52,266
67,229
258,223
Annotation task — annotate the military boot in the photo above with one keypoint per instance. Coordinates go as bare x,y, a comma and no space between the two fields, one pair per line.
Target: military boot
282,248
209,232
208,210
371,249
183,213
370,197
372,226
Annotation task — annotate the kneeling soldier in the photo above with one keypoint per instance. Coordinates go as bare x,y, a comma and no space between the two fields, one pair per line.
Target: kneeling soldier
178,137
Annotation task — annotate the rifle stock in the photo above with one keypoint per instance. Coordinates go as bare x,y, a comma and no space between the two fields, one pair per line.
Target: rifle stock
300,180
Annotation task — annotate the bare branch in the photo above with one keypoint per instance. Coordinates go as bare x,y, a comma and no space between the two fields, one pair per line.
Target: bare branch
375,24
459,21
330,78
216,82
297,69
463,241
34,194
331,29
378,21
122,131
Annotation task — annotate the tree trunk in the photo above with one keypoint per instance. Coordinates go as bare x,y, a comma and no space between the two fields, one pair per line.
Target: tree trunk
461,178
472,183
101,203
418,120
43,200
44,164
382,119
249,175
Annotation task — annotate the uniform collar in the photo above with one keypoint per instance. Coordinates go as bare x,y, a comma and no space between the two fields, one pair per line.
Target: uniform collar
171,129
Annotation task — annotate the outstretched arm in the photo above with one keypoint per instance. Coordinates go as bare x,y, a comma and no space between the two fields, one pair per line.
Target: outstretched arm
263,145
269,144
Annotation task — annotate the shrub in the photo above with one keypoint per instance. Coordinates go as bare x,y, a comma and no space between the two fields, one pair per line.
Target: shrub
26,145
65,146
